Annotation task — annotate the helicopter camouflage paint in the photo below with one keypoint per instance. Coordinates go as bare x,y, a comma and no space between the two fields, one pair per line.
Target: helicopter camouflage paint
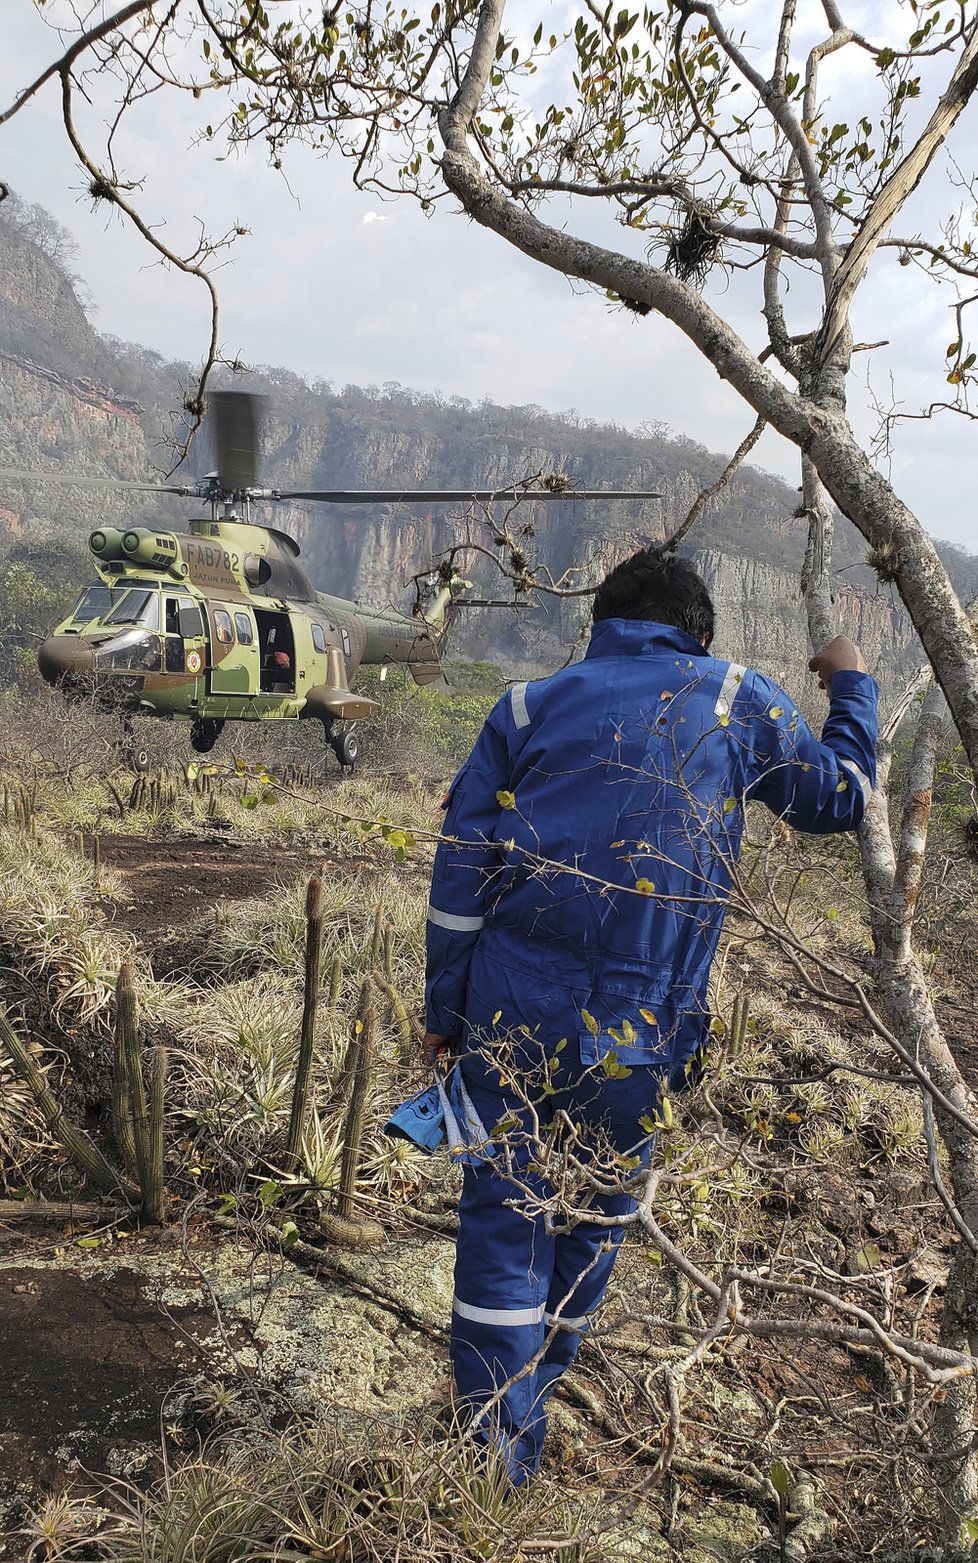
221,623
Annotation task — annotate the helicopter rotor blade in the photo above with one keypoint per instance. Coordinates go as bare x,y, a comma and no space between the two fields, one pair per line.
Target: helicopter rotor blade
237,426
69,480
436,496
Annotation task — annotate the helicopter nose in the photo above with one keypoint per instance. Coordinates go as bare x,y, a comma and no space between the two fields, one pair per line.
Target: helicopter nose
65,656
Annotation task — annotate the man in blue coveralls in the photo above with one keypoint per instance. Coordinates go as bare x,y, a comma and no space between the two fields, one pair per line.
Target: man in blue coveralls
577,898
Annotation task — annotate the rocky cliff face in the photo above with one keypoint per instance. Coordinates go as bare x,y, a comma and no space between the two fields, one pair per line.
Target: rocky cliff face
761,622
59,407
71,401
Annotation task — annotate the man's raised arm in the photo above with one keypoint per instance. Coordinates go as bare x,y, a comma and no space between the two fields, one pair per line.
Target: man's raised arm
820,786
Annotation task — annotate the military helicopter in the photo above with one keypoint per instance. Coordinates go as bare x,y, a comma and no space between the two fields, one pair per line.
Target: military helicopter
220,623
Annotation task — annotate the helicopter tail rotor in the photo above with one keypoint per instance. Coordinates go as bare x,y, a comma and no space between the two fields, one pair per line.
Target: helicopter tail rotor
237,426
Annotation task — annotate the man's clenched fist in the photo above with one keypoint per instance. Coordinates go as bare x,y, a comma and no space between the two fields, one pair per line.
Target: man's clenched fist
835,656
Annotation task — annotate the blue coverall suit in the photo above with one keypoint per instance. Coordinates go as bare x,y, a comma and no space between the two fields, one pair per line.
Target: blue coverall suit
580,887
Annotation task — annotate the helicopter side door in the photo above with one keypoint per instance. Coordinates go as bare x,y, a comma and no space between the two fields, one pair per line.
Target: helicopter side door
233,661
277,652
184,643
311,646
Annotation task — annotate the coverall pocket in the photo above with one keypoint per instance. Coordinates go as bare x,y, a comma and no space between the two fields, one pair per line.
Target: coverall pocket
513,1018
452,858
619,1030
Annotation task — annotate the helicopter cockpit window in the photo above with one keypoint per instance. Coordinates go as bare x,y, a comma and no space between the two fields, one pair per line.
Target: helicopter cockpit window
318,638
136,607
223,628
132,650
95,601
242,624
344,636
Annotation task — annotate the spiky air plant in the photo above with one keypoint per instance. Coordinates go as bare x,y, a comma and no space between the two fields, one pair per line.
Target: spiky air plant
693,250
323,1490
822,1139
25,1143
885,559
64,1526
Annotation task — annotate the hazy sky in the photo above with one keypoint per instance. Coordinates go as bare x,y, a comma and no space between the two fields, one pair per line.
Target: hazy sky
345,287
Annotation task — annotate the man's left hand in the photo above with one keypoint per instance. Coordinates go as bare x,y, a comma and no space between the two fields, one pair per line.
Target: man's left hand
433,1044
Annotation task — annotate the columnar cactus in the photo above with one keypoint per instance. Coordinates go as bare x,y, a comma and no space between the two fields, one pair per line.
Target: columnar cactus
739,1020
310,1005
153,1187
360,1059
125,1039
80,1148
145,1118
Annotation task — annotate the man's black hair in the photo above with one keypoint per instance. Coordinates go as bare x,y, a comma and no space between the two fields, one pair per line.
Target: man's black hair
658,587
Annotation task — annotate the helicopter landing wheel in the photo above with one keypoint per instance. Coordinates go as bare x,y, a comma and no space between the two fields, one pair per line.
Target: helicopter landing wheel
204,733
346,747
131,751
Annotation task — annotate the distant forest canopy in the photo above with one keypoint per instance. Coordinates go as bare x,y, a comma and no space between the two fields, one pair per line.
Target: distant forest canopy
321,436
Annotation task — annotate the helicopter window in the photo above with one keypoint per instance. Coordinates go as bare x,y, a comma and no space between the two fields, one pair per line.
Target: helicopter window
344,636
136,607
223,627
94,602
256,570
245,632
172,616
190,625
318,638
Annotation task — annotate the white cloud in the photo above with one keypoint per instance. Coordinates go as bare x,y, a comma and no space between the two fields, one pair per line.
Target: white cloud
372,217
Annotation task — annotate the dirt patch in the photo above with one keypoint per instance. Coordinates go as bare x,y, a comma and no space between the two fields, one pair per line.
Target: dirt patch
106,1349
90,1363
175,882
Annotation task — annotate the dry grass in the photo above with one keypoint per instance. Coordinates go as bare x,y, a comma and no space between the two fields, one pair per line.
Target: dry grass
233,1038
382,1494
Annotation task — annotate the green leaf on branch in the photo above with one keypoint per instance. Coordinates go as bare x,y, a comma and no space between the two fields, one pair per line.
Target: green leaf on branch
612,1068
869,1257
780,1478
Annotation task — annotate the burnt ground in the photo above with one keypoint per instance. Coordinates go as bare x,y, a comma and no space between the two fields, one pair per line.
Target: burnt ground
89,1368
173,882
